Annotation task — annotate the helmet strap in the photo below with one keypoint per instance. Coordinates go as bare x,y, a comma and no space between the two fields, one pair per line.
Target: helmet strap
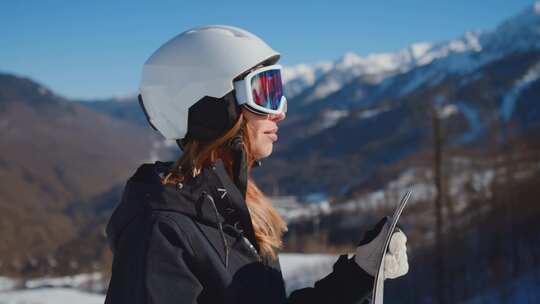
240,173
239,162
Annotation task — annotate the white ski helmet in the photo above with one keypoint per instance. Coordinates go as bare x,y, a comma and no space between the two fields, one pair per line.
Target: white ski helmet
197,64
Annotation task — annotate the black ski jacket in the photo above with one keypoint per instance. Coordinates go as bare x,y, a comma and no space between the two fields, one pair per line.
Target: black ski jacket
172,244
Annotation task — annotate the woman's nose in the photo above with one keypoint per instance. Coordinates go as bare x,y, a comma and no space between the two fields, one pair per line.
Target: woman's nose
277,117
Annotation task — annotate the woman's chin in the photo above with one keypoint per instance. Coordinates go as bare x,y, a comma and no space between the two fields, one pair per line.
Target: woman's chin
265,152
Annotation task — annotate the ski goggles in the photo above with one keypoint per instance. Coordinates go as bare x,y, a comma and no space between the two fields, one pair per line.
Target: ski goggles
262,91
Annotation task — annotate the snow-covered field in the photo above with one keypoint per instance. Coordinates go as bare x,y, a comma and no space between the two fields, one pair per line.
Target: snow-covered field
299,270
302,270
56,295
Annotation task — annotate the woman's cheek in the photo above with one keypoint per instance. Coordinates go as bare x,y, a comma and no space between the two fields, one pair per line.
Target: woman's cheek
262,146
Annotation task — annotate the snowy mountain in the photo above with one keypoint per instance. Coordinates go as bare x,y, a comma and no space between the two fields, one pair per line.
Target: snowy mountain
351,66
400,73
301,76
476,82
460,55
381,65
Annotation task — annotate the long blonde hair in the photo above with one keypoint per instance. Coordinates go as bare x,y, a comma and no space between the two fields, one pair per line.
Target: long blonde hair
268,225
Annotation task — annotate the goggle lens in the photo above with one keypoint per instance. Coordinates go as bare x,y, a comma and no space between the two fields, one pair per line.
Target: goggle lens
267,89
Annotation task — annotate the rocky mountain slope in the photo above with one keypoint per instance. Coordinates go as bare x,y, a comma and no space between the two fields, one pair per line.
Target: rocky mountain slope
55,154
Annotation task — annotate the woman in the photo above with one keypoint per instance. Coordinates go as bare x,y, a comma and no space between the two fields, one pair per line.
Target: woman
199,230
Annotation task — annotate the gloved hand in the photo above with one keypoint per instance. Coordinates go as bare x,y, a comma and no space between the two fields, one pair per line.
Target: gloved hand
368,251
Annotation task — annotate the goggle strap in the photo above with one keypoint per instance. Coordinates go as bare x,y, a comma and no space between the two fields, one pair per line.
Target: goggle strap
240,92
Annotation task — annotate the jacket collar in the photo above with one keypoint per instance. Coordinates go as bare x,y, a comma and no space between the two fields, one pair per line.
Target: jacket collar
196,198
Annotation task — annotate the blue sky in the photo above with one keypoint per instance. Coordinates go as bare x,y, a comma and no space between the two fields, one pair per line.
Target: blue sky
95,49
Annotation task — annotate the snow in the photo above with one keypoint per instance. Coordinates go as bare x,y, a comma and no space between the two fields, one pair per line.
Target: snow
459,56
293,264
328,87
420,181
349,59
473,41
297,78
480,182
7,284
416,179
419,49
378,65
303,270
50,296
331,118
292,210
510,99
469,42
448,111
87,280
371,112
399,60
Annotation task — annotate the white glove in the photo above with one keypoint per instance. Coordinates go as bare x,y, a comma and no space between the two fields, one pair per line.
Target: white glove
395,260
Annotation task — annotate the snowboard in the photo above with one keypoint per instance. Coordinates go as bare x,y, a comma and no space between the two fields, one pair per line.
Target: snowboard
378,283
